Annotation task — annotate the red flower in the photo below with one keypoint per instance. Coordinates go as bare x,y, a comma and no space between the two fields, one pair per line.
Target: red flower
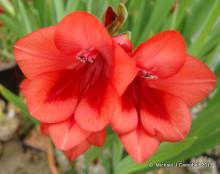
2,10
74,76
155,106
75,73
76,144
97,139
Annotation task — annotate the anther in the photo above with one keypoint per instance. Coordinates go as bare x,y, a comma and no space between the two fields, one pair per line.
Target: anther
87,55
149,74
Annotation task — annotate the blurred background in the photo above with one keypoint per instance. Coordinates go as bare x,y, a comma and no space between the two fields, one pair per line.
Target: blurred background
23,150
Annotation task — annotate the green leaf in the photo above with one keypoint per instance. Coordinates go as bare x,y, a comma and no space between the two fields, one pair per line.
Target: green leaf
25,23
114,3
206,28
8,6
203,144
195,17
201,125
168,150
117,151
182,8
59,9
71,5
173,20
82,5
41,6
212,41
12,24
157,17
89,6
138,13
98,8
17,101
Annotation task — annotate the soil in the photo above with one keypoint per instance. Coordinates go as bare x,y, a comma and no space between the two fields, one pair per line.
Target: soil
14,159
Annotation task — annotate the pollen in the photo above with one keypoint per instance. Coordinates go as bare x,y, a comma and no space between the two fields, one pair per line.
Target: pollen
87,55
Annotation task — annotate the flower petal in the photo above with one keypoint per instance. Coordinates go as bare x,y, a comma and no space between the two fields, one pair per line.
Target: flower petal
96,107
110,16
124,70
139,144
23,86
52,97
165,53
164,116
123,42
97,138
192,83
77,150
36,53
44,128
125,118
67,134
81,30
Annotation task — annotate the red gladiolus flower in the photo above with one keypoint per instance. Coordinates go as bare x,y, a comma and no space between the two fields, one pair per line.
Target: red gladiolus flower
124,42
97,139
79,79
2,10
155,106
78,146
75,73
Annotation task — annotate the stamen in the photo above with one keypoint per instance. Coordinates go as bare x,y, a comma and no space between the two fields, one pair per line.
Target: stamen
149,74
87,55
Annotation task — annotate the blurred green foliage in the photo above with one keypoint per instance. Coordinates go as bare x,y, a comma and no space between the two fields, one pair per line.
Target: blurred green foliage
197,20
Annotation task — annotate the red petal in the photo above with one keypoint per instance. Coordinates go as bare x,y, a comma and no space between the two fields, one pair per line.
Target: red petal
44,128
97,138
67,134
192,83
124,69
164,116
165,52
96,107
125,118
77,150
125,121
23,85
52,97
139,144
81,30
36,53
123,42
110,16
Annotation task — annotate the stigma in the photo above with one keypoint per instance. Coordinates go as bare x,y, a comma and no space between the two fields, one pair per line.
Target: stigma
87,55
